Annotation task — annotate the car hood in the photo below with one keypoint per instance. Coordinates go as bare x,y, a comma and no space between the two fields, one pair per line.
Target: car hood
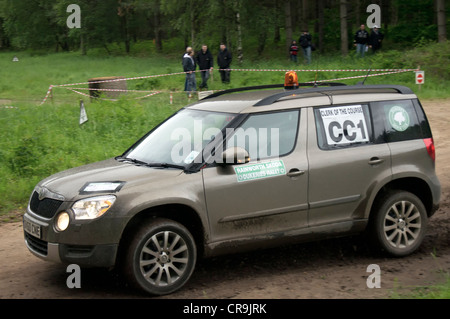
72,183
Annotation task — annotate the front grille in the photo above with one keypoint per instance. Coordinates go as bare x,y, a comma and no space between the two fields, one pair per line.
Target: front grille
46,208
36,244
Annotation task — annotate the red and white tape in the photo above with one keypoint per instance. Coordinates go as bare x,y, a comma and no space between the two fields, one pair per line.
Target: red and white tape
151,93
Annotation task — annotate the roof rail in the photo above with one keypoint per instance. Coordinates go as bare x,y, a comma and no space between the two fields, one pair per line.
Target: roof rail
364,88
269,86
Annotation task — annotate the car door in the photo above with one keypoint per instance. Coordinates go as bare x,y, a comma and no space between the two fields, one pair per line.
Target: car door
268,194
347,165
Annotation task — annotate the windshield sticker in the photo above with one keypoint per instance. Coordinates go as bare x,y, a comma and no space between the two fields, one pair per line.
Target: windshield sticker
101,187
246,173
345,124
399,118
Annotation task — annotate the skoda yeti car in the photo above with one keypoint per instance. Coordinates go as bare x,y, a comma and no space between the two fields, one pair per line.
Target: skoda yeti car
244,169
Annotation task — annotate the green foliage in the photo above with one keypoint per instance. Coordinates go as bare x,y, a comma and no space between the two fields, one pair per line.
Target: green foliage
437,291
41,24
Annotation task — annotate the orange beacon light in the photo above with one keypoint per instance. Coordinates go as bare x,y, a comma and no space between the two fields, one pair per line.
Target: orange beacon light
291,80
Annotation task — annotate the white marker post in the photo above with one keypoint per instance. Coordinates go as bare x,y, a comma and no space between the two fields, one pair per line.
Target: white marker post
83,114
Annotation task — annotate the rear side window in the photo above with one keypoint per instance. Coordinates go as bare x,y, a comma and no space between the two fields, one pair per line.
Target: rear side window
343,126
396,121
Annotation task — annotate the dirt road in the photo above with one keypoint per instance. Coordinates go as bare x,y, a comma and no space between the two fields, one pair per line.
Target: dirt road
327,269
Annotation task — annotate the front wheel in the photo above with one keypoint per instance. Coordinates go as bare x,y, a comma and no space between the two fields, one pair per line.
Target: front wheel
161,257
399,223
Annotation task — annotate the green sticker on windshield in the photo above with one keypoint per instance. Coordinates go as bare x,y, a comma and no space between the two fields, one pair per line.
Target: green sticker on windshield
399,118
246,173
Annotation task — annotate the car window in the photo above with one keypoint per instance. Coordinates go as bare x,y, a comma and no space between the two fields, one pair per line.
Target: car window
343,126
267,135
181,138
396,121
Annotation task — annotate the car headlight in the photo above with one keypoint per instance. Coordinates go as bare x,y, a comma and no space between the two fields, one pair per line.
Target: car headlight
62,221
94,207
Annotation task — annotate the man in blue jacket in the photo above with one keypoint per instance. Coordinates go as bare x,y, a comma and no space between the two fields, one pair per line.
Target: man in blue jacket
361,41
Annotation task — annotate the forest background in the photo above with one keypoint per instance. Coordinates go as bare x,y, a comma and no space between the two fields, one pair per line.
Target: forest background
248,27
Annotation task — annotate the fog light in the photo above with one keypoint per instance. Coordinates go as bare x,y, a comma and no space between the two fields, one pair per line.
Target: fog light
62,221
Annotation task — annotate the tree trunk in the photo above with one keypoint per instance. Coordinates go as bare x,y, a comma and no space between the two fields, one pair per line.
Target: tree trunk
277,35
83,45
320,9
240,54
304,16
344,32
442,36
192,16
288,24
157,28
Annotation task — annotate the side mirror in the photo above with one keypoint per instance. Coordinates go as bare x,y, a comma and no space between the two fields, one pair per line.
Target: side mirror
235,155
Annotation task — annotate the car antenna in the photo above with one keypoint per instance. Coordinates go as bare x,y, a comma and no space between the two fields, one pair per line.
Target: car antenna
367,75
315,79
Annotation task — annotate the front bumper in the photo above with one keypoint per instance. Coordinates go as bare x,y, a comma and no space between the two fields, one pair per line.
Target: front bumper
84,255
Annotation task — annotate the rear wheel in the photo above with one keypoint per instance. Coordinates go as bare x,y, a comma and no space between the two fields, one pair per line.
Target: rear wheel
399,223
161,257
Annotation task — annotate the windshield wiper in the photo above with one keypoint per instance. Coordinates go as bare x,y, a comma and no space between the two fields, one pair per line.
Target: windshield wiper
165,165
162,165
131,160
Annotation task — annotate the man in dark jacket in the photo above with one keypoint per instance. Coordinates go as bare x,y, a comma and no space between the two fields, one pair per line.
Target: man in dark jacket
224,61
376,37
205,62
305,43
361,40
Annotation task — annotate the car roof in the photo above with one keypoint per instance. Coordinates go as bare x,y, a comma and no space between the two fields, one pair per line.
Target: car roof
250,100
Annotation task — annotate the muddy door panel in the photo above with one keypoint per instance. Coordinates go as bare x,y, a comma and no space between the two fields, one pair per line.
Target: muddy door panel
265,196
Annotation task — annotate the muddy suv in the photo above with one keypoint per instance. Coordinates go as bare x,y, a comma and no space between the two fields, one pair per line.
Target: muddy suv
246,169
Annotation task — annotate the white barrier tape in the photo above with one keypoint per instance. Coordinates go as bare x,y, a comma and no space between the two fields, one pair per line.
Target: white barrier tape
123,79
87,95
100,98
111,90
47,95
148,95
386,72
322,70
357,77
240,70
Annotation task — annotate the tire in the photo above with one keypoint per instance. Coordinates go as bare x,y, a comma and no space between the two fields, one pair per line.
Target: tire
399,223
161,257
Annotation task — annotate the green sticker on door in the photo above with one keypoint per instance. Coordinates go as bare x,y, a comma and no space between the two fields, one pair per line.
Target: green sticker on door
251,172
399,118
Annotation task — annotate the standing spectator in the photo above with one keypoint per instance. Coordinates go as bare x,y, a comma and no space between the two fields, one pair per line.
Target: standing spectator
305,43
361,41
205,63
189,67
376,37
293,51
224,61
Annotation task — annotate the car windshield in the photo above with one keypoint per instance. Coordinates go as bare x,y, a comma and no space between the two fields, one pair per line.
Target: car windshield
178,141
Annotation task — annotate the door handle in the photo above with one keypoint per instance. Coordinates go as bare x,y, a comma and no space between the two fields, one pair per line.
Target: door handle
295,172
376,161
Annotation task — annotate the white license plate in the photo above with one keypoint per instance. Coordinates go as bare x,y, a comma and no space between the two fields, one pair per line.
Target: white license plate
32,228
